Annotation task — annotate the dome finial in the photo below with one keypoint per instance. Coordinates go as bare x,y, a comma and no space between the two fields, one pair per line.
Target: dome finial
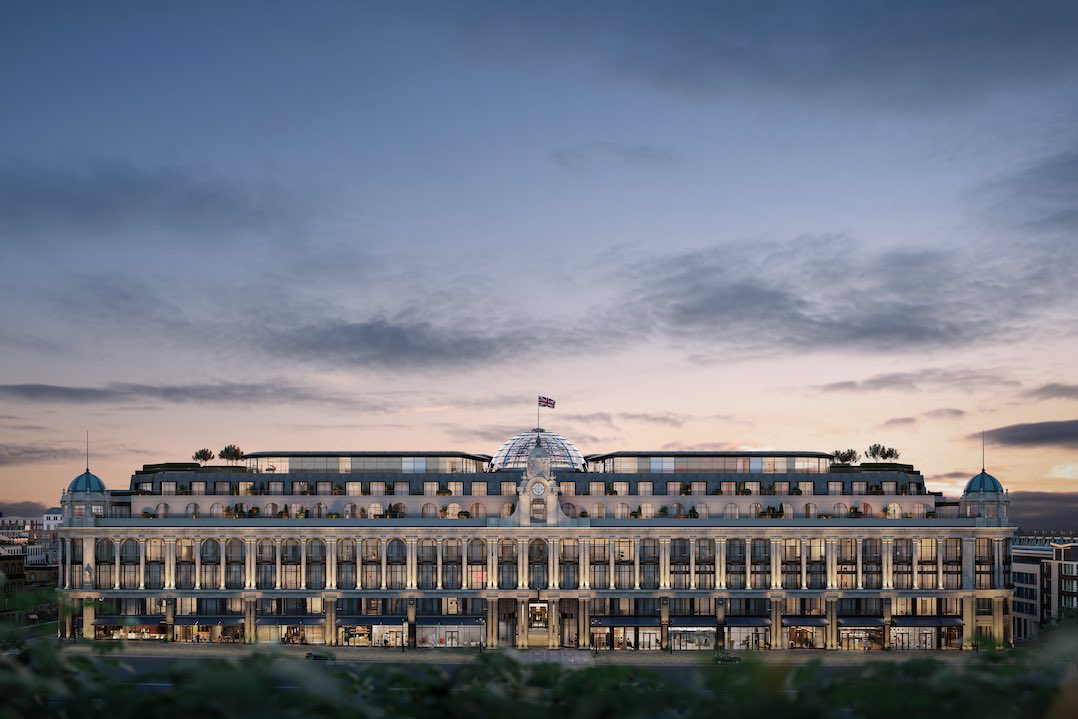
982,450
87,450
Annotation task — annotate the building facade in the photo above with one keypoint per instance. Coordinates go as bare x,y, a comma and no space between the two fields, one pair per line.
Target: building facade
539,546
1045,575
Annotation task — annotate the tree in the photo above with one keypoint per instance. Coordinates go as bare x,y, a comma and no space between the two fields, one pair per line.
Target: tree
202,456
880,452
231,453
846,456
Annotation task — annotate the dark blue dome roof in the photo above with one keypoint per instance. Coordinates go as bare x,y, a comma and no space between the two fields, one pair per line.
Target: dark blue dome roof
86,482
983,482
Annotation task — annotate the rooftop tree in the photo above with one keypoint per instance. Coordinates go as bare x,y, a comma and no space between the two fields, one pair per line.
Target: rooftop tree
202,456
231,454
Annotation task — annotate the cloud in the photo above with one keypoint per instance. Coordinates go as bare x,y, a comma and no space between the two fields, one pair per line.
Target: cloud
22,509
1054,391
945,413
756,297
921,380
138,205
897,56
900,422
20,454
958,474
1039,511
1035,434
220,393
1041,197
403,343
1064,471
641,156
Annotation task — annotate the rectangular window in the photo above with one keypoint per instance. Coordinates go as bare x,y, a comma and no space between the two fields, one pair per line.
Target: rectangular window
568,489
807,488
401,489
728,487
753,487
353,489
596,489
456,489
168,488
509,489
299,487
621,489
324,488
858,487
834,487
245,488
673,488
378,489
430,489
222,488
890,487
782,487
699,488
276,487
644,489
479,489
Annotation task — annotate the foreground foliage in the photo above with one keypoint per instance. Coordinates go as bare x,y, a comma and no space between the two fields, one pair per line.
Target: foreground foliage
39,679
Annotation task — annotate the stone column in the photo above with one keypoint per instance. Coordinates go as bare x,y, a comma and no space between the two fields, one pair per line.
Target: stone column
224,548
860,563
142,564
968,619
611,549
492,623
776,624
249,631
555,564
330,622
522,564
969,553
553,624
804,563
720,564
277,559
250,557
887,559
692,564
916,563
492,565
383,548
939,563
198,564
584,623
303,564
585,564
66,580
997,569
664,563
116,577
412,564
87,620
170,564
438,544
331,570
831,563
832,623
776,564
522,623
636,564
997,619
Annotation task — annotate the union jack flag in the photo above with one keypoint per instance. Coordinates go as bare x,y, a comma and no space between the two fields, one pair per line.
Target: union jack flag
546,402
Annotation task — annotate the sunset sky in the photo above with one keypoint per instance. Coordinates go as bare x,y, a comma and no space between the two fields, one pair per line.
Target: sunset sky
362,226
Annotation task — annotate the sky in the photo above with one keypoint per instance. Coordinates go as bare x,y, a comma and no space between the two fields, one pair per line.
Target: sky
389,226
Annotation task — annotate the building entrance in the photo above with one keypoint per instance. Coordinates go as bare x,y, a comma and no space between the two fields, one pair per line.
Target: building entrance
538,624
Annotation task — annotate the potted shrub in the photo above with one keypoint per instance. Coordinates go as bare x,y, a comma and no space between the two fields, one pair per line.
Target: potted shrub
664,511
583,514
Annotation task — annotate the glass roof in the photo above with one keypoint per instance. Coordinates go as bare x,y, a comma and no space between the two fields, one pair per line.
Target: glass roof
514,453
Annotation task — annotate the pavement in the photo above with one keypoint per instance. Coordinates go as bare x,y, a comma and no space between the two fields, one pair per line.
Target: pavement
566,657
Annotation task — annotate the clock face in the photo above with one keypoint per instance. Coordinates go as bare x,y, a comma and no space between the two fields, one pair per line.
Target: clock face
538,489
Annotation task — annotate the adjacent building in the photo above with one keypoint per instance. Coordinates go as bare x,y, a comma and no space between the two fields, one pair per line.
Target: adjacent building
1045,576
539,546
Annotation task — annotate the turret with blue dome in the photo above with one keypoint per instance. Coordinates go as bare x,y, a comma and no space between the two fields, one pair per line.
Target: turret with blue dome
85,499
86,482
985,498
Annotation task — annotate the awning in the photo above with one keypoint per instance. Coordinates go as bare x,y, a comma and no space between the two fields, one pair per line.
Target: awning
227,621
861,622
926,621
297,621
700,621
128,621
801,621
625,622
748,622
370,620
451,621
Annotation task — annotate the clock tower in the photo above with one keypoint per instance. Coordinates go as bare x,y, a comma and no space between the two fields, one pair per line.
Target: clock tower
538,492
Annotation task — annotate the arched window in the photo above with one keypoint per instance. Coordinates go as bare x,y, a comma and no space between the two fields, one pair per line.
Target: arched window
350,511
266,551
192,510
210,550
372,550
316,550
295,510
507,510
430,510
730,511
894,511
701,511
270,510
185,550
452,511
477,551
647,510
235,550
374,510
621,511
129,551
840,510
217,510
918,510
755,509
810,510
321,510
161,511
396,552
290,552
787,511
479,510
867,510
675,509
346,550
598,511
155,551
569,509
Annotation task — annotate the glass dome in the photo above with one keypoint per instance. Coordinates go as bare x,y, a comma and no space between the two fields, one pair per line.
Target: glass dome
514,453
